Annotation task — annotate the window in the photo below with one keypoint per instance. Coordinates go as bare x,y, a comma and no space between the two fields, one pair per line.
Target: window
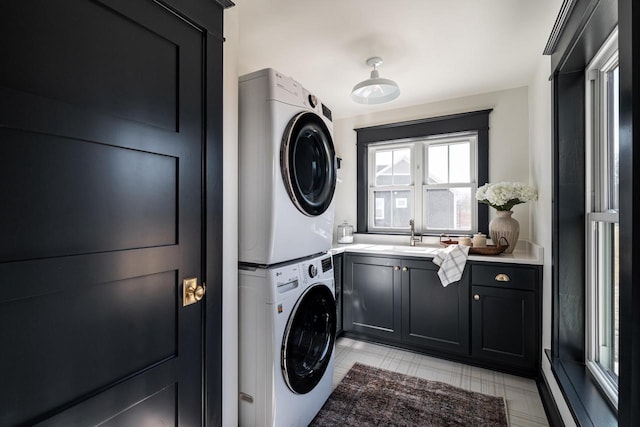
432,180
427,170
392,188
602,219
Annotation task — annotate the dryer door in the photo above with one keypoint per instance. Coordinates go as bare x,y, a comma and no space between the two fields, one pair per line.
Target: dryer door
308,340
308,163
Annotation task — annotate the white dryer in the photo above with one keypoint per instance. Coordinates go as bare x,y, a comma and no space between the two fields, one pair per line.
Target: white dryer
287,170
287,326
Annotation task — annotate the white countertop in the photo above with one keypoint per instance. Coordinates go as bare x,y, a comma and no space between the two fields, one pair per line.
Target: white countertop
525,253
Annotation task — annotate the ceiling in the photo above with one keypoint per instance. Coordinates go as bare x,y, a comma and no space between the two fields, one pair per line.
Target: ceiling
433,49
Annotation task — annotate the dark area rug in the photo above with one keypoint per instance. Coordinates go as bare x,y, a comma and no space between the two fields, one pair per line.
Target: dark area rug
375,397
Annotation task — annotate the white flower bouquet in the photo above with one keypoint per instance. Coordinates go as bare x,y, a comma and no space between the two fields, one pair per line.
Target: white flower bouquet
505,195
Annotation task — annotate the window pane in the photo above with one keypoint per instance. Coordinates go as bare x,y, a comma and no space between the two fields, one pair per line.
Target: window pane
613,140
438,171
448,209
392,208
402,167
383,168
460,162
607,285
393,167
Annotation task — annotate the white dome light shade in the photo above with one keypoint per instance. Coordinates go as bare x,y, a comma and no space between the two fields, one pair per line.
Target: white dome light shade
375,90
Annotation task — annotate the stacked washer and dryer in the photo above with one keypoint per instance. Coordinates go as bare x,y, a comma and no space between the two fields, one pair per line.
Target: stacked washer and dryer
287,314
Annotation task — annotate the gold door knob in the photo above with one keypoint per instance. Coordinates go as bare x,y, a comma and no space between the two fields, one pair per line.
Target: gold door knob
396,268
199,292
476,297
192,292
405,269
502,278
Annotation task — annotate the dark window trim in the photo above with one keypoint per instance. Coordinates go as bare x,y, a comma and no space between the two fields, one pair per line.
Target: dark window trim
590,24
582,393
477,121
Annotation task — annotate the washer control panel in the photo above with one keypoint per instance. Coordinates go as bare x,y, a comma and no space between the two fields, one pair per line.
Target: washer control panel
313,271
318,269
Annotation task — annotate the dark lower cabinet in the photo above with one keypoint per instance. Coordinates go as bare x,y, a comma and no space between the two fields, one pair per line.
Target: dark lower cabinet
490,317
505,316
403,300
434,316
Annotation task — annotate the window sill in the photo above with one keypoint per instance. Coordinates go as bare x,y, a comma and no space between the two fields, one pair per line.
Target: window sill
585,400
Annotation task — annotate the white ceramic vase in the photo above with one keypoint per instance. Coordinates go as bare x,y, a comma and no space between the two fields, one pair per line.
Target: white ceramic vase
504,226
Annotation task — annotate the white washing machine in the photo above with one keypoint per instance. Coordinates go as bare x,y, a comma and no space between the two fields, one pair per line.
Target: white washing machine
287,326
287,170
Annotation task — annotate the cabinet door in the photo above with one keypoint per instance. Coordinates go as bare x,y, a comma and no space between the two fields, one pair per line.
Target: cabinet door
371,291
504,326
434,316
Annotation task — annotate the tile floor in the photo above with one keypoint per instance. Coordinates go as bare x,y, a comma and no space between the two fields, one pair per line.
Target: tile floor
524,406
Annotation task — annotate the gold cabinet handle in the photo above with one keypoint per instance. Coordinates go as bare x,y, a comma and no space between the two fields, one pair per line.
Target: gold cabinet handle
476,297
405,269
396,268
502,278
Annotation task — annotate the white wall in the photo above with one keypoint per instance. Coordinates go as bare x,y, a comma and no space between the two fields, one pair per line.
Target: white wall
230,220
542,177
508,144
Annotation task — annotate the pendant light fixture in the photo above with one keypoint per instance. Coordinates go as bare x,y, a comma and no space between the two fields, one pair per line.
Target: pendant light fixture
375,90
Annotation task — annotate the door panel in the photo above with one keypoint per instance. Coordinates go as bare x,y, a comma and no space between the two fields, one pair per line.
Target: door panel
144,71
156,410
121,198
125,400
126,326
101,132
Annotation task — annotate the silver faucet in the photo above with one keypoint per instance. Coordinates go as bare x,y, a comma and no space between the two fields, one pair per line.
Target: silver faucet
414,239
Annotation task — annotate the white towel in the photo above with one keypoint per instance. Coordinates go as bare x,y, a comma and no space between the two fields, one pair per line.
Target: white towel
451,261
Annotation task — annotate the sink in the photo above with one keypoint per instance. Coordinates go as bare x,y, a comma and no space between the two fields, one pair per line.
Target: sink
381,248
402,248
397,249
417,249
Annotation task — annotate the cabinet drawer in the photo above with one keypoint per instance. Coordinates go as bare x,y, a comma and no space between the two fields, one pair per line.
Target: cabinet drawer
514,277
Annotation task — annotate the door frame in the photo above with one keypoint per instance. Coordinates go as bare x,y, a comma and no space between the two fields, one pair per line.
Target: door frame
207,15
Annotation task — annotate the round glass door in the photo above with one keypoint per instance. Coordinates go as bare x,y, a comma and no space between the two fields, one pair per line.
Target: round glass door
308,340
308,163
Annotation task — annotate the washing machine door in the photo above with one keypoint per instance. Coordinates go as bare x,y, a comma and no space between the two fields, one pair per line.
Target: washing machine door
308,163
308,339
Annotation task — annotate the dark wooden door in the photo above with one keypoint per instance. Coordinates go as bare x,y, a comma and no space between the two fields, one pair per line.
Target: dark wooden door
434,316
101,133
372,296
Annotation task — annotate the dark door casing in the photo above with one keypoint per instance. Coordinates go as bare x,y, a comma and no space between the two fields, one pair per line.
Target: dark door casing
102,129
